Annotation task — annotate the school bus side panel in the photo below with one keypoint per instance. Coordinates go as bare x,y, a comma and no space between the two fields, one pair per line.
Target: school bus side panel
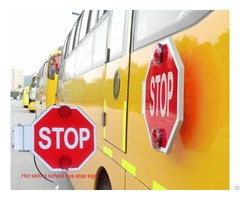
133,184
116,174
51,91
26,97
200,156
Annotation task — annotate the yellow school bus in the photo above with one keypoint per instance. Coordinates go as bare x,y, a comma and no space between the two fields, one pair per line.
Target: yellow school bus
32,94
103,67
47,82
26,97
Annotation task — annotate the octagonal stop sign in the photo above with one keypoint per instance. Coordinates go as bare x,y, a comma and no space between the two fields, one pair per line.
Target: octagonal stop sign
164,84
64,138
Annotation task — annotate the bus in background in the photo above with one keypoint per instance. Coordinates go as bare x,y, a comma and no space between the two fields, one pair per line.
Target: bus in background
26,97
32,94
104,63
47,82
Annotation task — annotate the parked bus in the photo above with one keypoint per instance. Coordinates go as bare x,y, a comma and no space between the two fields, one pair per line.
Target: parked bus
47,82
103,66
32,94
26,97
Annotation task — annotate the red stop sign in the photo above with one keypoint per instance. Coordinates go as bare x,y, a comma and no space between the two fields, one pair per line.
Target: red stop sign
64,138
164,84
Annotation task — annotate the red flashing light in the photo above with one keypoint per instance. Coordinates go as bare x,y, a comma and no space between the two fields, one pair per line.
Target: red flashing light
64,112
65,162
56,64
158,54
156,138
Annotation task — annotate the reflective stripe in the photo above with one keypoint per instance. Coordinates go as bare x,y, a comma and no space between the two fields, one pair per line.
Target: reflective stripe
107,151
157,186
104,110
129,167
124,125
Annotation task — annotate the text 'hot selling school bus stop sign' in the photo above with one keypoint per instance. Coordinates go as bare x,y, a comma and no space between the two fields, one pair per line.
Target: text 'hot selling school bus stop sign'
164,84
64,138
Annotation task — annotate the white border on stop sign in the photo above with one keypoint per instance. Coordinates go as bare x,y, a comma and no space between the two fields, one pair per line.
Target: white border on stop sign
43,161
180,103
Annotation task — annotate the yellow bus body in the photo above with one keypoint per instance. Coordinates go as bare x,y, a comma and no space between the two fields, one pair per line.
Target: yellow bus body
32,94
26,97
199,159
47,87
32,106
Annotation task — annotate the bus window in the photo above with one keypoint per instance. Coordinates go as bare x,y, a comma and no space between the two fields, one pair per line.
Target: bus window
93,18
65,48
51,72
100,14
71,40
84,55
39,77
117,34
84,26
148,29
78,29
32,94
100,43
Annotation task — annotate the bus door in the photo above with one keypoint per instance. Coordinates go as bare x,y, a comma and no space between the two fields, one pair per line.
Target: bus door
117,70
52,78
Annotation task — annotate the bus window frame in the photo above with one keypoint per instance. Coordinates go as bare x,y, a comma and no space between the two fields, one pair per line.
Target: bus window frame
125,41
94,21
70,40
103,61
87,25
98,14
52,75
40,76
171,30
65,47
78,29
101,20
65,56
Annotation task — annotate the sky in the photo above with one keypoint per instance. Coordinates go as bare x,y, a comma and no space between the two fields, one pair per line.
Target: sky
38,27
35,34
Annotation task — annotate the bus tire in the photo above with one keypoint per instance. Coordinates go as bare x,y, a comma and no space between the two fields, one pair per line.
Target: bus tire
103,181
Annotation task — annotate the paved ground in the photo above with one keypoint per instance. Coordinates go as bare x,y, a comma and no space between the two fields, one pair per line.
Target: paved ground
24,175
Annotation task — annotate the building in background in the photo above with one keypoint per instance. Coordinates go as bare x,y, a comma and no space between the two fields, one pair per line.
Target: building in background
16,82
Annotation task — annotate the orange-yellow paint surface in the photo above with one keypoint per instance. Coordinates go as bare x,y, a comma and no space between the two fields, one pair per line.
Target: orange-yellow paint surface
51,91
115,173
47,88
26,96
200,155
31,106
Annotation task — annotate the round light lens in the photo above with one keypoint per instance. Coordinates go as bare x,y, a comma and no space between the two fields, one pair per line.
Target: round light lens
156,138
65,162
64,112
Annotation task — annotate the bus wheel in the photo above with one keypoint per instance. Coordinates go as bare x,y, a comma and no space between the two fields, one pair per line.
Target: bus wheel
103,181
